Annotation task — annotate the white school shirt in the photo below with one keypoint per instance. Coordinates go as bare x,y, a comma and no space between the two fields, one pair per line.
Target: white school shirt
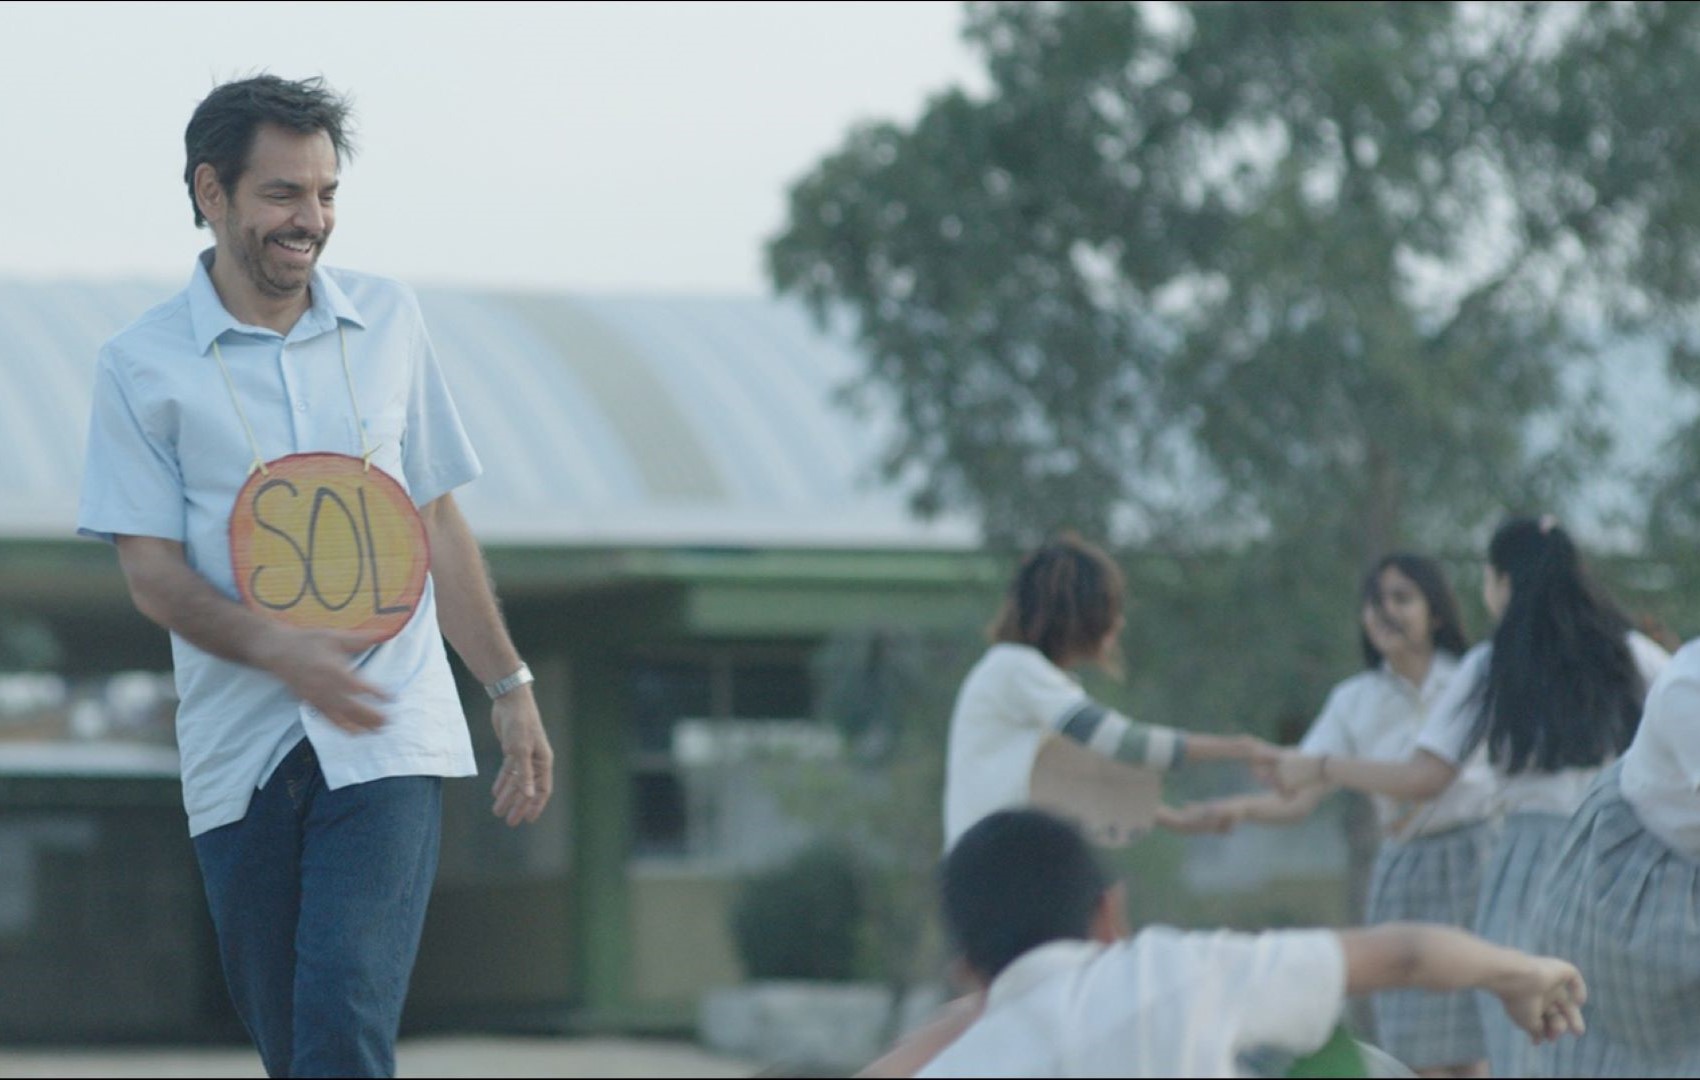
1447,733
167,455
1376,715
1009,703
1163,1003
1661,768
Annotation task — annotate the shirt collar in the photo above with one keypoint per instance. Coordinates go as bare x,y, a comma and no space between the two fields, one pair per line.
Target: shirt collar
1439,670
209,319
1442,669
1037,965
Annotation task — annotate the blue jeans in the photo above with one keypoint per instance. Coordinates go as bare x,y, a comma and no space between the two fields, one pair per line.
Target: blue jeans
318,898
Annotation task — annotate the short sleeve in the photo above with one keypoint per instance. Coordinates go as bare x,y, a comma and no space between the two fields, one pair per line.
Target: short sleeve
1451,721
1672,705
436,454
1045,693
1279,991
1288,986
1650,658
132,483
1329,733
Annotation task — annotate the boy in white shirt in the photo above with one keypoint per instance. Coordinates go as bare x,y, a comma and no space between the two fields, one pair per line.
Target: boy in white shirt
1068,993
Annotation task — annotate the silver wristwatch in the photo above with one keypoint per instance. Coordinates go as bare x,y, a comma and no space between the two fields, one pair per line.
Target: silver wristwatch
510,683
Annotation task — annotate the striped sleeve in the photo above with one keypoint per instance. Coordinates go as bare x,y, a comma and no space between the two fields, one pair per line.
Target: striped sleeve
1108,732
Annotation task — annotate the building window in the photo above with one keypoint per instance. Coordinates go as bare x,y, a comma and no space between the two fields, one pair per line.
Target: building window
710,729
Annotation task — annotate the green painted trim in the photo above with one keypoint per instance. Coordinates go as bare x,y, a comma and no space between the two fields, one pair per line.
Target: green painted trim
80,568
69,572
778,609
601,812
532,568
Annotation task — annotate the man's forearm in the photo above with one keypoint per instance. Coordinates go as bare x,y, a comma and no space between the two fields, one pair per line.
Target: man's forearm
172,595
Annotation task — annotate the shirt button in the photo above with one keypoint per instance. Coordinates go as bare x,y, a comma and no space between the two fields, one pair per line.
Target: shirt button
300,406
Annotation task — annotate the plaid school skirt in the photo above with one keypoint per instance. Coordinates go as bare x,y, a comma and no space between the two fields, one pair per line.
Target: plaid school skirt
1625,908
1515,877
1429,879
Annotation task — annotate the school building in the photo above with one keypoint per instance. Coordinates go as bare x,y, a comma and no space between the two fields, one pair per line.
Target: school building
676,514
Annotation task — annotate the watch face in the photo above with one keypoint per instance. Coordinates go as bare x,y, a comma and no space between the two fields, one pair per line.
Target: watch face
322,541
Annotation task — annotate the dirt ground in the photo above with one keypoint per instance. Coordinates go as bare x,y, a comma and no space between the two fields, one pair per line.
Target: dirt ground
447,1056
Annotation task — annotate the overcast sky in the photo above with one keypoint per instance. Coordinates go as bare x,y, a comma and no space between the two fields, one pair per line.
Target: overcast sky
604,147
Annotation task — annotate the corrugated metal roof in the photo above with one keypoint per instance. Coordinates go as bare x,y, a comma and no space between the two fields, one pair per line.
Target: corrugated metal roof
601,421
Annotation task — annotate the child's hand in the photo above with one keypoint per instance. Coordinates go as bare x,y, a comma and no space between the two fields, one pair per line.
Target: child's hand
1293,772
1257,752
1544,997
1213,816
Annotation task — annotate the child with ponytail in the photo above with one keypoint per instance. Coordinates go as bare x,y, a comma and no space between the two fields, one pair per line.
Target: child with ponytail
1554,697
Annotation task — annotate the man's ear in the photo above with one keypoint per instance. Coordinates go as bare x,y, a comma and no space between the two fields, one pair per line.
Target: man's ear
210,195
1109,918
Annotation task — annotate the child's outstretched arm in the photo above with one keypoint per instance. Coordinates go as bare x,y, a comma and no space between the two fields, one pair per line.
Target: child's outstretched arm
1541,994
1268,808
1421,776
1230,748
1197,817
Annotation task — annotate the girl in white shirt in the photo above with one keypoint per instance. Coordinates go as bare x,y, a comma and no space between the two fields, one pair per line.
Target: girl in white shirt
1553,697
1063,609
1429,867
1623,897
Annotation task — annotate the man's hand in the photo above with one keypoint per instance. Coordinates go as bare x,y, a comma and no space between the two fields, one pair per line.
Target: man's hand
1544,997
315,665
527,779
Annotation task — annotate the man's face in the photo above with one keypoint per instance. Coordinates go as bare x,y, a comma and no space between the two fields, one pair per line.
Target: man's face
277,219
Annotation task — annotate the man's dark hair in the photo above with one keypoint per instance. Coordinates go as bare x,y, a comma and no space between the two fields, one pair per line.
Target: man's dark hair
1016,880
221,132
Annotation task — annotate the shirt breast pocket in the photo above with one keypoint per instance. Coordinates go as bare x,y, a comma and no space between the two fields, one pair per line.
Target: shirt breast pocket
385,432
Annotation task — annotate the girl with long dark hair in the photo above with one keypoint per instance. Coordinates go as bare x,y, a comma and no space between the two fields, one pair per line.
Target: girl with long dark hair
1553,697
1430,864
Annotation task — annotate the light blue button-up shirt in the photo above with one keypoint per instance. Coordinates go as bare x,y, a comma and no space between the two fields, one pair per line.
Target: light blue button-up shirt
167,454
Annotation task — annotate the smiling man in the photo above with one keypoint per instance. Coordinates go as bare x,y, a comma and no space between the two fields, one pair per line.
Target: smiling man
313,741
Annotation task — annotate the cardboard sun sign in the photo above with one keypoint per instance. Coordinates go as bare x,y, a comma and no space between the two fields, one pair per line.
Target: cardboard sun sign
320,541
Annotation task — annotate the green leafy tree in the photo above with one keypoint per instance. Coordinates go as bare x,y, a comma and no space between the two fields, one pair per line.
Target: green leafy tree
1195,272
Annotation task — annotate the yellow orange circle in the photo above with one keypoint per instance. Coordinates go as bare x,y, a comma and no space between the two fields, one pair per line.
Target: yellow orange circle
323,542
